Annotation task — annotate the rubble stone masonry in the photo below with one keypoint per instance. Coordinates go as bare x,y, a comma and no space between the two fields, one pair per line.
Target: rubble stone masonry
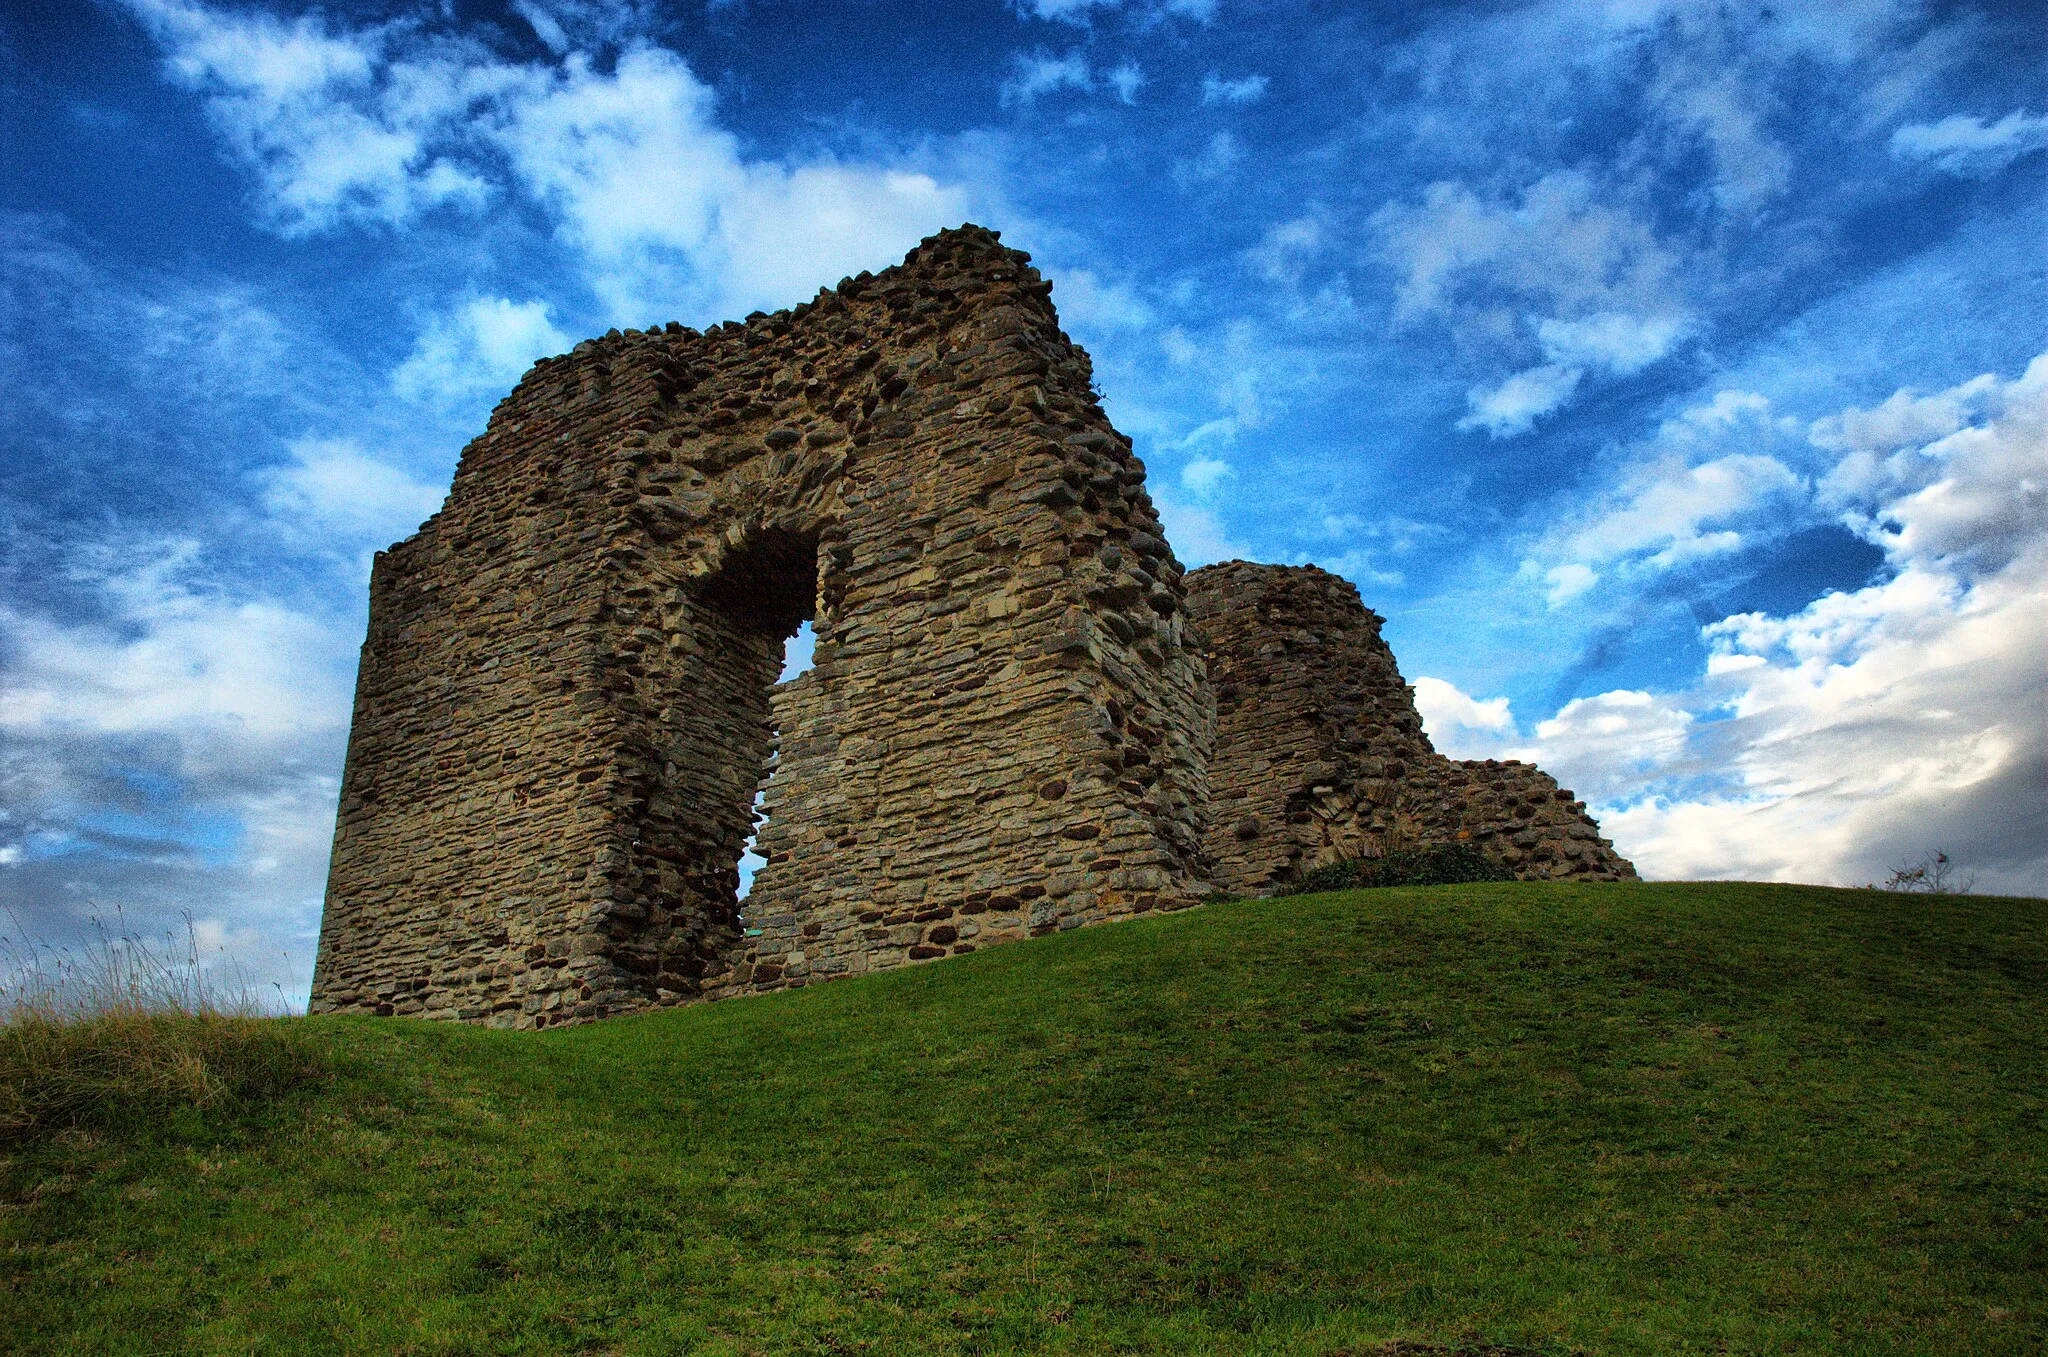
1320,755
567,699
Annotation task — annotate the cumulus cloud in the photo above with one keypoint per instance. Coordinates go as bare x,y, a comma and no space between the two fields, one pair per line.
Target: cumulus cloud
1604,747
1976,492
380,124
1961,144
331,129
1244,90
1668,516
1451,718
1870,726
1682,499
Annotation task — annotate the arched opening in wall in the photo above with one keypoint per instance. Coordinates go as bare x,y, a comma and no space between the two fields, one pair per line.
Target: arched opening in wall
769,589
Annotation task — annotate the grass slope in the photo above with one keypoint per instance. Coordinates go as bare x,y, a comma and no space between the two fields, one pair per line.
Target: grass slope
1617,1119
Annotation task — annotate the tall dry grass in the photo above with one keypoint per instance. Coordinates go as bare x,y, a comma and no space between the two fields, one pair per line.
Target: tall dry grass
125,1027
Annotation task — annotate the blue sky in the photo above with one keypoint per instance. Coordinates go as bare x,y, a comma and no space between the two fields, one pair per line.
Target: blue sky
1670,375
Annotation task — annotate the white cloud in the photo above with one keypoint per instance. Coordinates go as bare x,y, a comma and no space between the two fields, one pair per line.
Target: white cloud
1244,90
1517,403
175,751
1281,251
1869,727
333,484
484,346
1450,716
1064,11
380,124
1568,581
332,131
1964,145
1724,411
1906,418
1557,246
1720,107
1198,535
1042,73
1621,344
1081,12
1667,512
1218,157
228,679
1204,474
1215,431
1087,302
1971,492
1125,80
1606,746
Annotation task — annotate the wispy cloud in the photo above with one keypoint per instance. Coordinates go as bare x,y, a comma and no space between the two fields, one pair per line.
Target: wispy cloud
1518,402
1040,74
1146,12
1248,89
1962,144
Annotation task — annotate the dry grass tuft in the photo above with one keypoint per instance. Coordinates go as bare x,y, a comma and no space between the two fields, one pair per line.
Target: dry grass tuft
125,1028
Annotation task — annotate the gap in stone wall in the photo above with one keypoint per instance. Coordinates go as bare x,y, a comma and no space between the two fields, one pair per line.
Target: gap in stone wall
797,657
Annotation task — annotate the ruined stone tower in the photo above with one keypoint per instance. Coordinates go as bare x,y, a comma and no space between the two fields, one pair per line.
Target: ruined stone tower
563,710
567,699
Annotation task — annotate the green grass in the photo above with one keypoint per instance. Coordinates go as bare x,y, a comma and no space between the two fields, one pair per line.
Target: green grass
1610,1119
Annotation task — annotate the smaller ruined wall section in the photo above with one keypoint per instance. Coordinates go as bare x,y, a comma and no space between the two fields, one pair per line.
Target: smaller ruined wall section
1320,754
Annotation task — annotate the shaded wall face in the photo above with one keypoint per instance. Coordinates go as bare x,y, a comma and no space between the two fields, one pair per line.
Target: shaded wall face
1320,754
1317,734
1002,733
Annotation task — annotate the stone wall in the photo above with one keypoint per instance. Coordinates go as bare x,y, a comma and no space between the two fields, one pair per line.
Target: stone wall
1320,755
564,705
567,699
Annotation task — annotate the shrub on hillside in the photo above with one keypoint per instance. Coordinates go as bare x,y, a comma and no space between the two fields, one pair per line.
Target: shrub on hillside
124,1030
1437,865
1932,875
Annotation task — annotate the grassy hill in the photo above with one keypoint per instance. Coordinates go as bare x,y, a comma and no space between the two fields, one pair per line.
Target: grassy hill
1611,1119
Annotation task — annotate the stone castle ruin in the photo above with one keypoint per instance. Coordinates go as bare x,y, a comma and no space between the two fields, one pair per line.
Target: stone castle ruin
1022,717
